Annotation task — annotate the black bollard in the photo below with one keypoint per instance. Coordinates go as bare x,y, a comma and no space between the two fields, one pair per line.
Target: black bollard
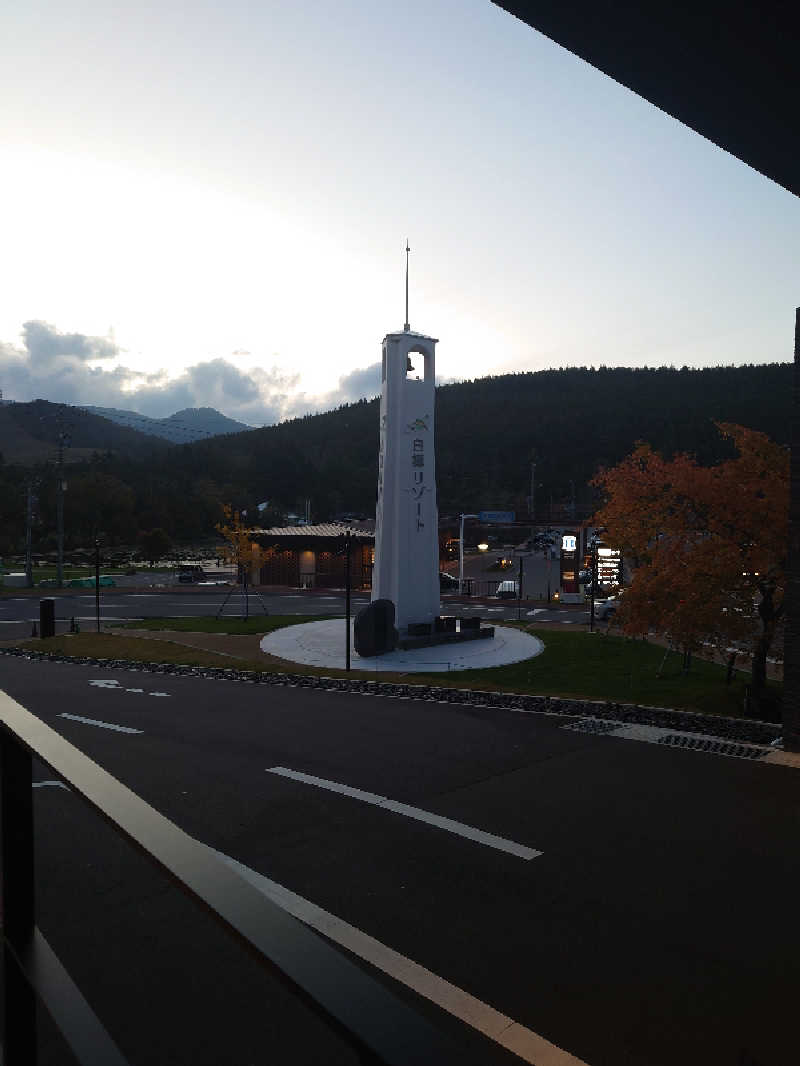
47,617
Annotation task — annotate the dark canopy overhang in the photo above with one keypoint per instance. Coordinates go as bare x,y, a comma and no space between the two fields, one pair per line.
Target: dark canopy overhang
729,71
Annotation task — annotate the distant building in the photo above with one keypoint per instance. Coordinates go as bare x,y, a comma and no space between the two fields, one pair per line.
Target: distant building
314,557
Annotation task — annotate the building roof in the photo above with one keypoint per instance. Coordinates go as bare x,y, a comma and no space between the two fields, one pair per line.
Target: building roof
324,529
726,69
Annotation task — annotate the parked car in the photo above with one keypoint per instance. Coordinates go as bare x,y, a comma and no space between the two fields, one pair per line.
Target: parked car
447,583
187,575
507,590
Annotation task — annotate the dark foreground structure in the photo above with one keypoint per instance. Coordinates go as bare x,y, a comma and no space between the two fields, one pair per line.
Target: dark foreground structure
729,72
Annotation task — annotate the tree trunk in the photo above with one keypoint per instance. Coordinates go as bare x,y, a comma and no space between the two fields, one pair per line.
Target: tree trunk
768,617
731,664
761,702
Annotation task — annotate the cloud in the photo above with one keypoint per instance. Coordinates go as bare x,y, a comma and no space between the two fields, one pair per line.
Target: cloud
56,366
44,344
257,397
60,367
359,383
363,383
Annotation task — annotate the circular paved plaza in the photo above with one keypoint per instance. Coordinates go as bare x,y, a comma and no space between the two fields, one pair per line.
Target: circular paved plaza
322,644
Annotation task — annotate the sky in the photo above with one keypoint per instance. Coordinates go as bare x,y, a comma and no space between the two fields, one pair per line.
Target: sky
207,205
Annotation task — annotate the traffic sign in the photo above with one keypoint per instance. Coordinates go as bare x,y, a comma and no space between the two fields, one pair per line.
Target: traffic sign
497,516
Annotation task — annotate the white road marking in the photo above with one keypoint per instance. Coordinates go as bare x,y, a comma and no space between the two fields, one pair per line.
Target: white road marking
523,1042
55,784
437,820
97,722
115,686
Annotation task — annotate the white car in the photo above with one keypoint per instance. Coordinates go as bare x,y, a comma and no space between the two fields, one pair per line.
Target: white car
507,590
605,610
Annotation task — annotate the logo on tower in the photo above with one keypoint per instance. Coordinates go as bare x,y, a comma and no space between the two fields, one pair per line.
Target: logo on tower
418,423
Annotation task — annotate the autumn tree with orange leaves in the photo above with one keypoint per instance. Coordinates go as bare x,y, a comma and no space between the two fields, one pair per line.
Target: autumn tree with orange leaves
240,548
706,545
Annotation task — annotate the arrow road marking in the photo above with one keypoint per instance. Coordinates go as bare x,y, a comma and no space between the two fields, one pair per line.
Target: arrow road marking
115,686
468,831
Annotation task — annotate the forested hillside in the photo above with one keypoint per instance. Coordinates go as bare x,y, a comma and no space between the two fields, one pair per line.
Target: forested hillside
489,431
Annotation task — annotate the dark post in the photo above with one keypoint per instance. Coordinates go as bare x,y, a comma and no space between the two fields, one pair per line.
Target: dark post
97,581
347,599
791,668
47,617
16,797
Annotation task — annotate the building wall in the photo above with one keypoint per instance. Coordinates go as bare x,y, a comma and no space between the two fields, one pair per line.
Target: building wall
317,568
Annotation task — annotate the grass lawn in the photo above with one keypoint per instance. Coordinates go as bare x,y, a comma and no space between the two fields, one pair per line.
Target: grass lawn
600,667
254,624
583,665
140,649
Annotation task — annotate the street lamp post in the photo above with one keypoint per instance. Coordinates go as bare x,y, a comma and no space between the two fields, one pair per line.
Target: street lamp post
461,552
593,586
347,537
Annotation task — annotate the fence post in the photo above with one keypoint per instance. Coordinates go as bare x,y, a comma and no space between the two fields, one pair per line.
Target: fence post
16,825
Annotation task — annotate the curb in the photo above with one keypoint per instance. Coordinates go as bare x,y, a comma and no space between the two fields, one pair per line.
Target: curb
750,730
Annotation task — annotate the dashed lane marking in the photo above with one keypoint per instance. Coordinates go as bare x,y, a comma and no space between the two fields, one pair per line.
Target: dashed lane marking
448,824
523,1042
44,784
97,722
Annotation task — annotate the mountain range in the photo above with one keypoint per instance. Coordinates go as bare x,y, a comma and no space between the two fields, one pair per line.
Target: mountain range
183,427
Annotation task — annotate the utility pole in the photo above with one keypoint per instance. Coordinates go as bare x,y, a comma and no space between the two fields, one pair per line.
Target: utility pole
533,492
60,516
63,441
29,538
461,552
97,581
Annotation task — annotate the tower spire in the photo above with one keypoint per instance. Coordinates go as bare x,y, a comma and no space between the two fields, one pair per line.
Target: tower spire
406,327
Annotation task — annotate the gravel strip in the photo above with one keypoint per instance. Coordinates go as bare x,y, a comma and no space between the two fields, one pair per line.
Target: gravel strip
756,732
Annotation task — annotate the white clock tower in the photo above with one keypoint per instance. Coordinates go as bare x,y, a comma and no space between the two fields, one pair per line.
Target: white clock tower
407,520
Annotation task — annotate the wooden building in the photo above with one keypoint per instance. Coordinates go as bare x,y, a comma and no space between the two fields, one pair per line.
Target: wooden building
314,556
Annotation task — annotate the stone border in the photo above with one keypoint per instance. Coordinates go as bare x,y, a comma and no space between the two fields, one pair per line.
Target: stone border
751,730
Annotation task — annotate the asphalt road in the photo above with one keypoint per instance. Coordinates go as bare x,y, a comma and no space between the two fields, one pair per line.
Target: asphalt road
18,613
659,924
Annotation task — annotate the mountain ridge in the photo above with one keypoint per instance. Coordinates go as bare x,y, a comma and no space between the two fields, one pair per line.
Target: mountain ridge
181,427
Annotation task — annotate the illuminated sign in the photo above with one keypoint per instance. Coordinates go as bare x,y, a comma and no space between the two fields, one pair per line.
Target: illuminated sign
609,566
568,543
